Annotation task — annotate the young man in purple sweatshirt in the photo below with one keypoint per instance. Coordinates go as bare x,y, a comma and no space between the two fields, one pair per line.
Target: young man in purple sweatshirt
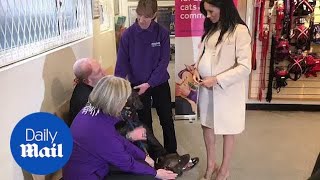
143,57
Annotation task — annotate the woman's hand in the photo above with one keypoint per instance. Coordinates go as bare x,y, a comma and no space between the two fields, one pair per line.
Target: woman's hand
149,160
137,134
196,76
209,81
165,174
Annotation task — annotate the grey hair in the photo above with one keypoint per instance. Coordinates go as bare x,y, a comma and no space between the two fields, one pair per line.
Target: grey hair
110,95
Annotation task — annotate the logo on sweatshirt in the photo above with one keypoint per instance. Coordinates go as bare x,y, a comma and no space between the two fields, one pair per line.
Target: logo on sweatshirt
155,44
41,143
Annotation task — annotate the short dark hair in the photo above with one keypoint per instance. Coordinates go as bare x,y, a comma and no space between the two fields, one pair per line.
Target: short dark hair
147,8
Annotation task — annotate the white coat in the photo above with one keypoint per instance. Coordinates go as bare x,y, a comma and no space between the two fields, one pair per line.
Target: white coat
232,66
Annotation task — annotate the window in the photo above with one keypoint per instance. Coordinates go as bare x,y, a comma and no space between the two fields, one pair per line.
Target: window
34,26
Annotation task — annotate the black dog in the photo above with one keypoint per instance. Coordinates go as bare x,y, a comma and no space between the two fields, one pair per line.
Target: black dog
152,146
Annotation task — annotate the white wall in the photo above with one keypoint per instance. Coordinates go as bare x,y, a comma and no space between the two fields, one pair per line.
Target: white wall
44,83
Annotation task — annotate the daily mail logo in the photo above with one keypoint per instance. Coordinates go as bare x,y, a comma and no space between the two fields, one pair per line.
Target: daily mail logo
33,150
41,143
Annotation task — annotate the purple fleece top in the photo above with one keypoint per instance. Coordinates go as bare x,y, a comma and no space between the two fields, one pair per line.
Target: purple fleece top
144,55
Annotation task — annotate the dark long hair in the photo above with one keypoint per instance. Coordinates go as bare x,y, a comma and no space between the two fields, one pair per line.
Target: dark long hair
229,18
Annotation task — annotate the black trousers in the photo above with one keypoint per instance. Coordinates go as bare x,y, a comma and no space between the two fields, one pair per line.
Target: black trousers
155,149
116,174
161,97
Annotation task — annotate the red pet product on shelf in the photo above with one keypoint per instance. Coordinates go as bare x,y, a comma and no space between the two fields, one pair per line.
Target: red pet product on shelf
255,32
297,67
280,17
304,7
281,75
265,47
313,66
282,50
301,36
261,20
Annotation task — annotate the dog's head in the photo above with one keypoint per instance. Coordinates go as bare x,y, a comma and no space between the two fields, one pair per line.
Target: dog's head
133,104
134,101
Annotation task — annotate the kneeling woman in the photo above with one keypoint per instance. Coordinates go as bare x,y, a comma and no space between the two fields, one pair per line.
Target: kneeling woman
98,147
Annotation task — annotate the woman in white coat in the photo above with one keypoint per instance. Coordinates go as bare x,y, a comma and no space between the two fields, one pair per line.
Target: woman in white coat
223,67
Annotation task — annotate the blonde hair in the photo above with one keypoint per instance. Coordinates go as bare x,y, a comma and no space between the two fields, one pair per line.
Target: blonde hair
110,95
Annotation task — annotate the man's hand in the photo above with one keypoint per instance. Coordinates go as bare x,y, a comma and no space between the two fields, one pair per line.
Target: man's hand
138,134
142,88
209,81
149,161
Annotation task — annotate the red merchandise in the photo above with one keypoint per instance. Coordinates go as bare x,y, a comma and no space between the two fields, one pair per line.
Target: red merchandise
301,36
280,18
313,66
304,7
282,50
264,53
255,31
261,20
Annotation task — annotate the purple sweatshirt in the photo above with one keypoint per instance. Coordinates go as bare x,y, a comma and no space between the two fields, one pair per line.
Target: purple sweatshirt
97,144
144,55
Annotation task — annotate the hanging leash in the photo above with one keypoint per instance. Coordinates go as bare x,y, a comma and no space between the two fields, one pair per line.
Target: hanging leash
287,19
261,20
279,19
264,53
271,69
255,32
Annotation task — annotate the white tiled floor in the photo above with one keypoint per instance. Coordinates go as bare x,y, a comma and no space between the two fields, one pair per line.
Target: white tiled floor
274,146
